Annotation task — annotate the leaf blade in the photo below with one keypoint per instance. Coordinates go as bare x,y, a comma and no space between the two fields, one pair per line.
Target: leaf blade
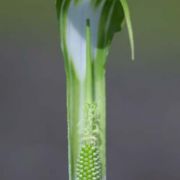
129,26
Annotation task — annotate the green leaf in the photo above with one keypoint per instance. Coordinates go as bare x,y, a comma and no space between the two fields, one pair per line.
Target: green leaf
115,11
58,7
110,22
116,20
129,26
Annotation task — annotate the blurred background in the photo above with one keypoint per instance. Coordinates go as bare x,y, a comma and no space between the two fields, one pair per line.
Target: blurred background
143,96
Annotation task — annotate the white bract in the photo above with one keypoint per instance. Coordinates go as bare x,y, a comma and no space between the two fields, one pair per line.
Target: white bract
77,16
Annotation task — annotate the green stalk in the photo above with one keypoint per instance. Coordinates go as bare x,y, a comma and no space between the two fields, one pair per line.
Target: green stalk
86,29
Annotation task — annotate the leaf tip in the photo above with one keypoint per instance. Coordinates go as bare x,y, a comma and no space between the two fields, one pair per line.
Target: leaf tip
129,27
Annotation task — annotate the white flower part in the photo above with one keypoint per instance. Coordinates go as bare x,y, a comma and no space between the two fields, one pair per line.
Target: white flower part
76,33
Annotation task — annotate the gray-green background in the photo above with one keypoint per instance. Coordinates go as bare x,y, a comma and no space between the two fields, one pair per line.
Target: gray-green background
143,96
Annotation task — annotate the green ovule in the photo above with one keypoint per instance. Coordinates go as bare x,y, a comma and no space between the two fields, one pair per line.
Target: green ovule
89,164
86,30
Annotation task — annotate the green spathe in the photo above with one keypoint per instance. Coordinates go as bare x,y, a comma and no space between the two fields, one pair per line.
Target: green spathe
87,28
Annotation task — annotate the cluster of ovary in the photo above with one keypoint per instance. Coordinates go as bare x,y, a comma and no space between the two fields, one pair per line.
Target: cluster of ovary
89,165
77,17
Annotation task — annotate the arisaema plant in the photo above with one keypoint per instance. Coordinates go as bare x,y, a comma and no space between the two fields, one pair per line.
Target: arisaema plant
86,31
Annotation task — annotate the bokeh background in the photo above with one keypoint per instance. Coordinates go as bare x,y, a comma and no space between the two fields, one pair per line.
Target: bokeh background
143,96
